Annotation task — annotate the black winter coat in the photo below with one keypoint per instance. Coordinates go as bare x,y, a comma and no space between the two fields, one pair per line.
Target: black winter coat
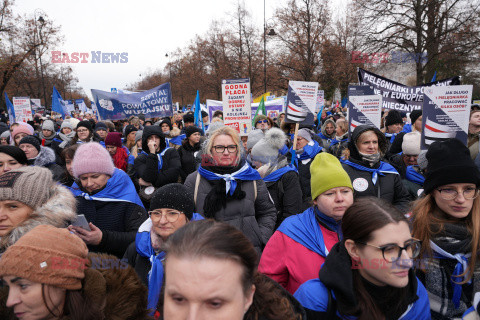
286,194
146,167
142,265
187,155
305,177
118,220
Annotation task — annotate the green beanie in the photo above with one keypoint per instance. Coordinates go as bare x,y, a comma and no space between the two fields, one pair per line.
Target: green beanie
327,173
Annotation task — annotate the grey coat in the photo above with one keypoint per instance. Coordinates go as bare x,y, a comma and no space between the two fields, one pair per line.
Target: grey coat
254,217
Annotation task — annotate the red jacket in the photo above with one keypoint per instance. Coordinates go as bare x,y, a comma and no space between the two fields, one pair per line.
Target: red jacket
290,263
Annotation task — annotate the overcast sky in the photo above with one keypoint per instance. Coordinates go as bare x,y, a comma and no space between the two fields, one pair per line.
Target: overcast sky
145,29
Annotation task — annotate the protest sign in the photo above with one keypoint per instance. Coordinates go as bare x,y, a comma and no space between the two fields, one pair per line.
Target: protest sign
396,95
320,100
23,109
364,107
35,104
81,105
70,106
446,113
237,112
301,102
212,106
273,107
156,102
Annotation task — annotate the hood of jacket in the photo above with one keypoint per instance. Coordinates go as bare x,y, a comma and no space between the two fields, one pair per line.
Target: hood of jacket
113,284
150,131
324,126
352,144
45,157
58,211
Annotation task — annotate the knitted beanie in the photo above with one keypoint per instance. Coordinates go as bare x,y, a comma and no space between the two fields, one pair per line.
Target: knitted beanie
16,153
393,117
5,134
253,137
449,161
101,126
411,143
86,124
129,129
74,122
28,185
414,115
266,150
327,173
48,125
47,255
22,128
167,121
34,141
422,160
114,139
189,117
305,134
66,124
138,135
91,157
174,196
191,130
258,118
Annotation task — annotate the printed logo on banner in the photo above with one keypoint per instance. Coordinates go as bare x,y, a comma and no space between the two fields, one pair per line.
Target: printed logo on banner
301,102
106,104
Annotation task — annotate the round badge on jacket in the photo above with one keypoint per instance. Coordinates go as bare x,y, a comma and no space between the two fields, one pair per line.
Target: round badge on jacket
149,190
360,184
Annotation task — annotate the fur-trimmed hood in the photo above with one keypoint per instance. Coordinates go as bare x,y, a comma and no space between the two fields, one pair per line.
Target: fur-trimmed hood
325,125
58,211
175,132
45,157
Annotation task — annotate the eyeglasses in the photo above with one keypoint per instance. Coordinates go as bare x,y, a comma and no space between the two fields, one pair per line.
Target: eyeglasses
451,193
262,121
393,252
221,149
82,131
170,216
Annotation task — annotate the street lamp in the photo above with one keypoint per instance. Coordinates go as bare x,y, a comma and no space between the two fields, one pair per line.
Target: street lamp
42,23
270,33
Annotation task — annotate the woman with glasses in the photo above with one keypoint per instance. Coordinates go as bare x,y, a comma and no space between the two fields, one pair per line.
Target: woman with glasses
369,274
227,188
447,221
84,133
171,208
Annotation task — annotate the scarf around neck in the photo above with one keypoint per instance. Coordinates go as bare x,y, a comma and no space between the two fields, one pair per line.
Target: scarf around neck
159,156
381,170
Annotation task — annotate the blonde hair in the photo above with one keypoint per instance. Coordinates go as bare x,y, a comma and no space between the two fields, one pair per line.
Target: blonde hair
343,124
226,131
425,214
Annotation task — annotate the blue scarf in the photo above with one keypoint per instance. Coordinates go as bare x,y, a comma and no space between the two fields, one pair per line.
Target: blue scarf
309,152
413,176
159,156
462,265
304,229
284,150
176,140
335,141
383,168
277,174
119,188
391,136
245,173
143,244
321,135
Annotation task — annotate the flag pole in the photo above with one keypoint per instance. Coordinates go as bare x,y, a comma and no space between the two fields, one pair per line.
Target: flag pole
295,136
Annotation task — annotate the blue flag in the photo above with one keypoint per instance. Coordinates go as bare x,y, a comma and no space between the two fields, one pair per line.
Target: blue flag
58,105
434,78
197,112
10,109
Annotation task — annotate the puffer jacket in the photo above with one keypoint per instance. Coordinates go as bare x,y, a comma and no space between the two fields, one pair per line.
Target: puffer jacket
47,158
254,215
110,284
58,211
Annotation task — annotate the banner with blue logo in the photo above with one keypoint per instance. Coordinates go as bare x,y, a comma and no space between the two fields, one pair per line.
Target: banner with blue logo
156,102
364,107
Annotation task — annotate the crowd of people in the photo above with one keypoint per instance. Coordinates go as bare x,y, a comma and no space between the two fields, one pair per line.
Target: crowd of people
161,219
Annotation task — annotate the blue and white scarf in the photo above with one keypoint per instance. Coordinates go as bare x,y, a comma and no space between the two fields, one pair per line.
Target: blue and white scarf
277,174
381,170
159,156
413,176
244,173
176,140
118,188
309,152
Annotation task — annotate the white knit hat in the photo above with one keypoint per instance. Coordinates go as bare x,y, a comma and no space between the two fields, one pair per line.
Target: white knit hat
411,143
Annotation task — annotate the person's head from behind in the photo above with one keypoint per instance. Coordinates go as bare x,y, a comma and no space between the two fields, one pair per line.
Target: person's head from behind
224,147
377,238
411,148
93,166
22,191
11,158
331,186
39,286
341,127
209,272
171,207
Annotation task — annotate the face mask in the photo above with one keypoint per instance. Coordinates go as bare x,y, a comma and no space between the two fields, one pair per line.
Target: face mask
372,159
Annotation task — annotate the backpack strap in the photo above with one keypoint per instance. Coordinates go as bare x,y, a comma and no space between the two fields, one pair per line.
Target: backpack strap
195,192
